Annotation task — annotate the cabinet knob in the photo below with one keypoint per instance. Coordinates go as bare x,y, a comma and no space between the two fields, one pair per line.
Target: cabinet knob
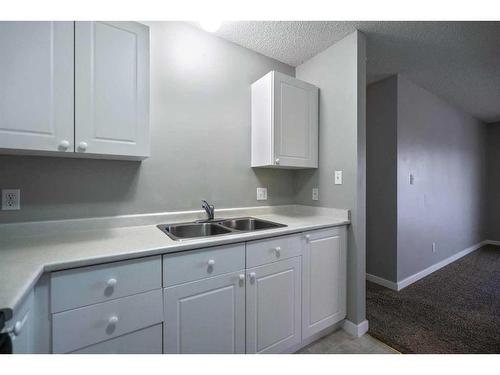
111,282
277,161
113,320
252,276
211,263
277,251
307,237
242,277
82,146
64,144
16,330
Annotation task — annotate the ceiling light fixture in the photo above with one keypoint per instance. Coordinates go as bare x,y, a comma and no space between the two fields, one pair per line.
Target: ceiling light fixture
210,25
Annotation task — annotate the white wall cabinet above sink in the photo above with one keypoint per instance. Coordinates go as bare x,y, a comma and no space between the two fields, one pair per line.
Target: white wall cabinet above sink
284,122
75,89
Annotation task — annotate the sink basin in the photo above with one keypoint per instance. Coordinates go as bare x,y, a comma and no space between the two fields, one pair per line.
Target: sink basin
181,231
249,224
193,230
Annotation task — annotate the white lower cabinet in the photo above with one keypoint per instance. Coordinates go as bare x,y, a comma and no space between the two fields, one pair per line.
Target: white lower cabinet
323,279
206,316
264,296
273,321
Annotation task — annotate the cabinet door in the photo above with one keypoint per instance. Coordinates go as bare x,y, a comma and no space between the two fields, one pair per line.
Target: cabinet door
296,122
324,280
112,88
273,307
206,316
36,86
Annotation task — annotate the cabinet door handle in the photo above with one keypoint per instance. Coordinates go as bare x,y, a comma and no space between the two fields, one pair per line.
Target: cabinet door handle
277,251
113,320
277,161
18,327
82,146
307,237
64,144
211,263
252,276
241,278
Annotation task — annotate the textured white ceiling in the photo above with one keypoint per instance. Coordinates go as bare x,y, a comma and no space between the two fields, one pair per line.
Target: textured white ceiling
459,61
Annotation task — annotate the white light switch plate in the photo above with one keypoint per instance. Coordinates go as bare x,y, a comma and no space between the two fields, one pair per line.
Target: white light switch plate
11,199
315,194
262,194
338,177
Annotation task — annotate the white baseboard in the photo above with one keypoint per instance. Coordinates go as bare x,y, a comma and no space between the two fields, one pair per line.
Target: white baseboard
384,282
421,274
356,330
491,242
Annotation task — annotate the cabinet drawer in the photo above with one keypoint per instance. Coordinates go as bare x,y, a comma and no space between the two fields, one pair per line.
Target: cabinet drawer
88,285
271,250
318,234
144,341
195,265
75,329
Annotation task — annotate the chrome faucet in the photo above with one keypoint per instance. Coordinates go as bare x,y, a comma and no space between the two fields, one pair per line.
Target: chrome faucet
209,209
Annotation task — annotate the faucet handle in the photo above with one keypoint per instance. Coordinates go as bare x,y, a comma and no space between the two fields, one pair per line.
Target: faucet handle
210,209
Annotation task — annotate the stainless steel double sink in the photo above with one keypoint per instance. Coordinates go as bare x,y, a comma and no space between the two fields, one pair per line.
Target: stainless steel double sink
182,231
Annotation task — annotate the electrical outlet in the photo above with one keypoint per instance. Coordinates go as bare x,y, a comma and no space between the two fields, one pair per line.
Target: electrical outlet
433,247
338,177
262,194
11,199
315,194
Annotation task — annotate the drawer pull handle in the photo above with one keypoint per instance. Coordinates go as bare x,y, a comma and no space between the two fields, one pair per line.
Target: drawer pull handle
111,283
211,263
113,320
277,251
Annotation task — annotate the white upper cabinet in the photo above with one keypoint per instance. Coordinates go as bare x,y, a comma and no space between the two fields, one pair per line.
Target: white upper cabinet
36,86
284,122
112,88
77,89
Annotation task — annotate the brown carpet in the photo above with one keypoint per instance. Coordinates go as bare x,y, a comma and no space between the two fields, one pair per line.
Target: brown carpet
454,310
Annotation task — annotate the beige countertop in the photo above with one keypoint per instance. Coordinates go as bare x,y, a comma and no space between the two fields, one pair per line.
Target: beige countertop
27,250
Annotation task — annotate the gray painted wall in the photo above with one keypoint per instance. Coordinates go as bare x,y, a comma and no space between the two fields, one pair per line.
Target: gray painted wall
493,181
445,149
339,72
200,131
381,178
